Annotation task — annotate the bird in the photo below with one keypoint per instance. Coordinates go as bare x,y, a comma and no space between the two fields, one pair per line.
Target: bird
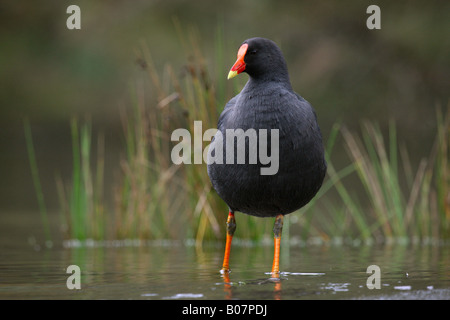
267,107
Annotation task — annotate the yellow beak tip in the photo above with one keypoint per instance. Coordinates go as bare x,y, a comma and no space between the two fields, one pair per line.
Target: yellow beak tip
232,74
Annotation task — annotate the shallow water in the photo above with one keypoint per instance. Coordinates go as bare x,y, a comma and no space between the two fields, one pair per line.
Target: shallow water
174,270
171,270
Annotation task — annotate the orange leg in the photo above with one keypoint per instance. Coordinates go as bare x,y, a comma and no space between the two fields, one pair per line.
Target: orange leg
231,227
277,228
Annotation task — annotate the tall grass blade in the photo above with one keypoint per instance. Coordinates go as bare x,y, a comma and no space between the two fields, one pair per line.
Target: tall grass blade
36,180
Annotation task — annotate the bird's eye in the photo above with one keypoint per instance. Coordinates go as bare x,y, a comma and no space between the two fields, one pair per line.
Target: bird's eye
253,52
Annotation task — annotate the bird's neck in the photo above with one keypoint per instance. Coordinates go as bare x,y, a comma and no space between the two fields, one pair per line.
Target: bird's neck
262,81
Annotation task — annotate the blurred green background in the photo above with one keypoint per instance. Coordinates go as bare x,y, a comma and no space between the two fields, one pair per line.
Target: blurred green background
348,73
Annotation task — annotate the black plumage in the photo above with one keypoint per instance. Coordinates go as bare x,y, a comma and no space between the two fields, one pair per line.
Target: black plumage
268,102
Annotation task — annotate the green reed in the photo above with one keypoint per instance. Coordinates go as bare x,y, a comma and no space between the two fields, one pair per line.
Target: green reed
401,202
397,201
36,180
81,201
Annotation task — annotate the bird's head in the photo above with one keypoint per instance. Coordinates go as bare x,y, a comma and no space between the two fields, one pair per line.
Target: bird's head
261,59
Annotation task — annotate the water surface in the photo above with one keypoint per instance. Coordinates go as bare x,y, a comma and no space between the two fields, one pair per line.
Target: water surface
176,270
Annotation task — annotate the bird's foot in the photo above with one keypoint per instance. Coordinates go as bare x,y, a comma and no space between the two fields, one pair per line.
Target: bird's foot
275,275
225,271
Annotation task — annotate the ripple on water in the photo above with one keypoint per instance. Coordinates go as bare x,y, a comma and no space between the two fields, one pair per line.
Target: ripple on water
185,296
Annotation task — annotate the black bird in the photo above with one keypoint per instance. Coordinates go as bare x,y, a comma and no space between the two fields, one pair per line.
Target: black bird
291,138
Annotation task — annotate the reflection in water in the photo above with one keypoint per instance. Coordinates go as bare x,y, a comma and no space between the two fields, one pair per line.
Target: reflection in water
175,270
228,285
277,290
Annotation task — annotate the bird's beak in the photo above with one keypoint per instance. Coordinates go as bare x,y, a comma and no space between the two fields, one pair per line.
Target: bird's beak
239,65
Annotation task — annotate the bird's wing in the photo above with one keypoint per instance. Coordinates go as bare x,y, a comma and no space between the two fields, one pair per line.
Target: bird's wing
227,111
